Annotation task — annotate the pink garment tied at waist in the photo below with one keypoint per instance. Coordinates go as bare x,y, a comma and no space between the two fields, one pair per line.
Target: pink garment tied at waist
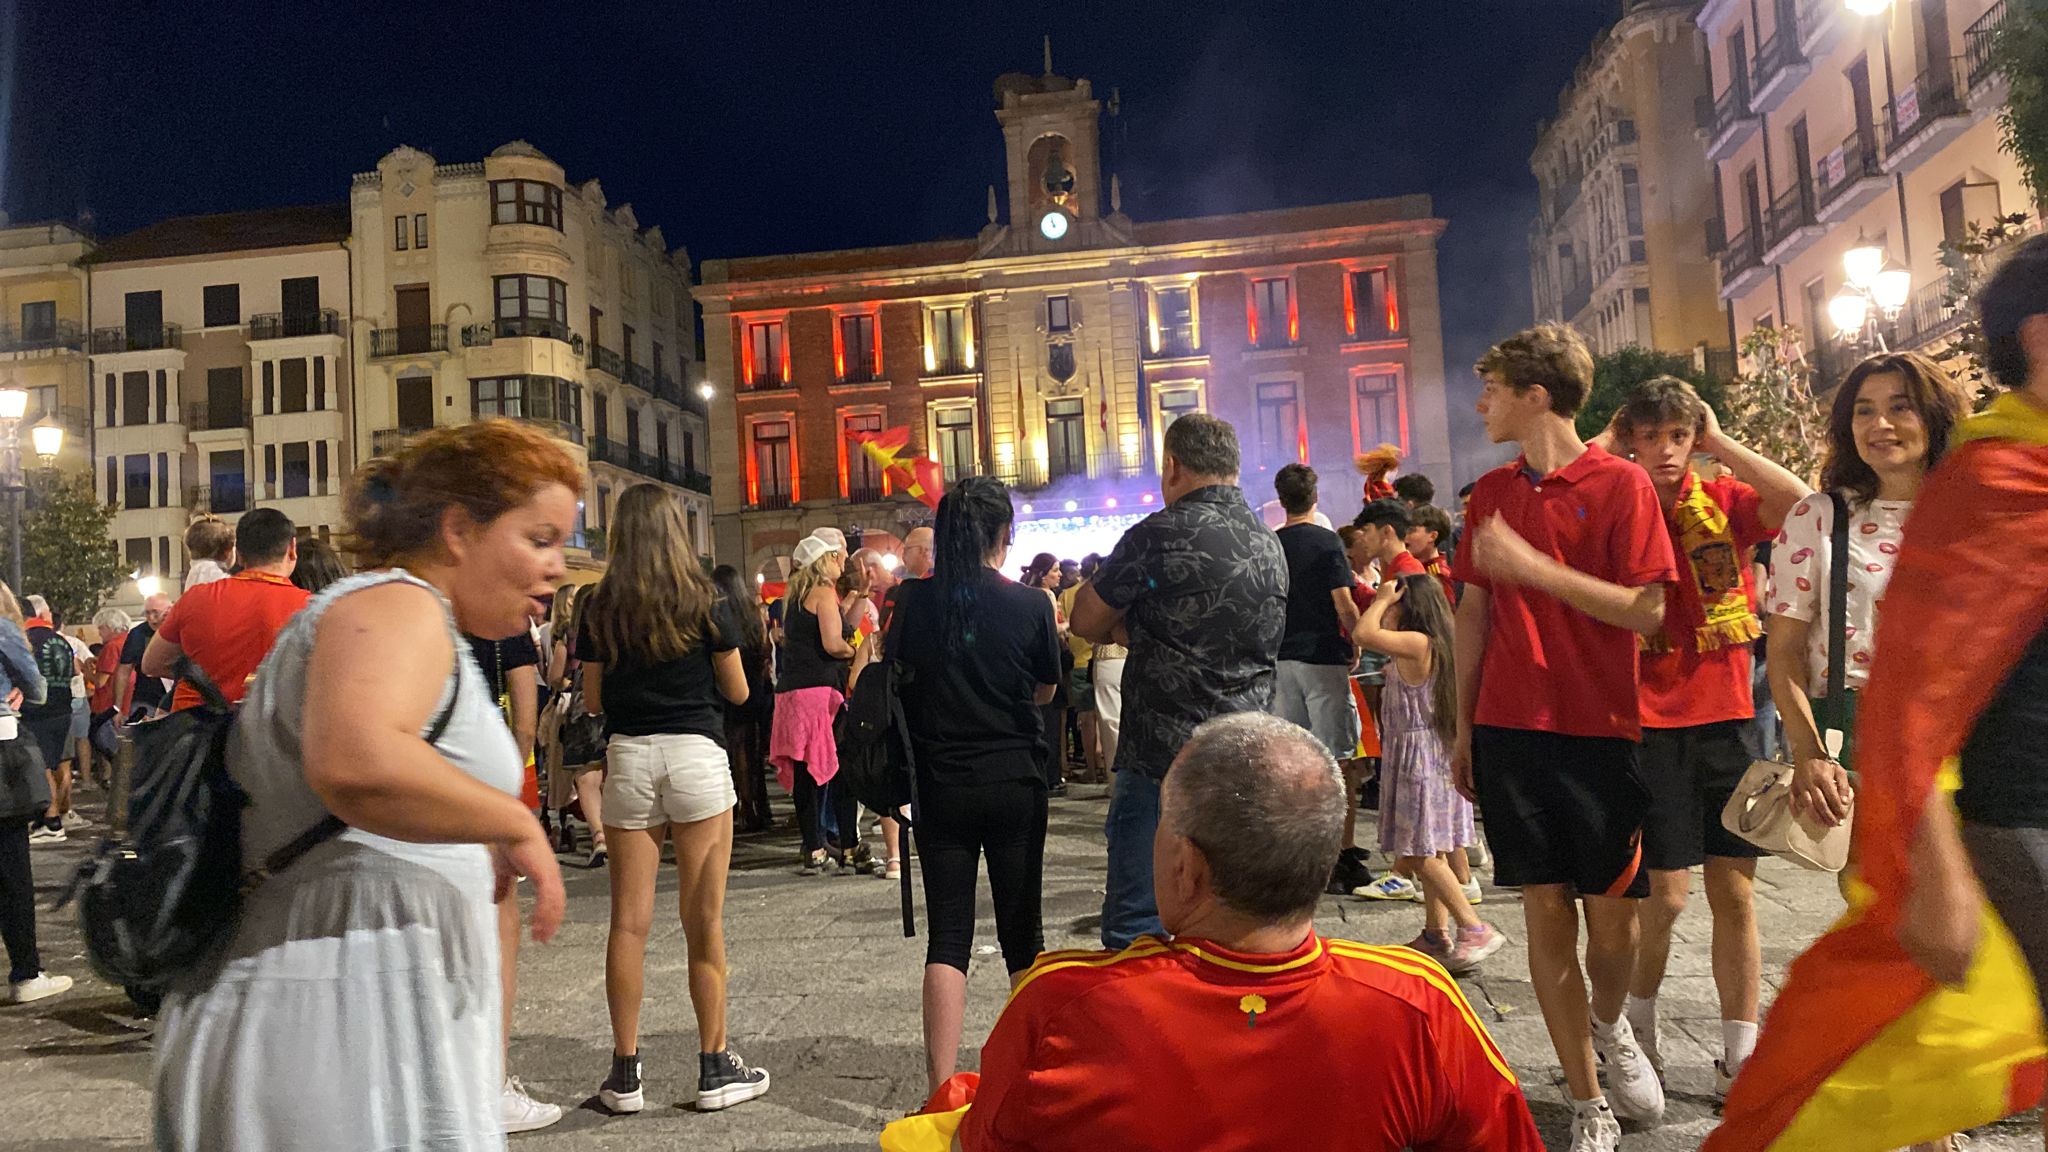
803,735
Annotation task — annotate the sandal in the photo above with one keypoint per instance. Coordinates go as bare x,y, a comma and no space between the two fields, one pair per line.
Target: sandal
894,871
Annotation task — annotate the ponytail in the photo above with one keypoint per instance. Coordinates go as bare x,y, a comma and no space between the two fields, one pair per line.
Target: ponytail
973,523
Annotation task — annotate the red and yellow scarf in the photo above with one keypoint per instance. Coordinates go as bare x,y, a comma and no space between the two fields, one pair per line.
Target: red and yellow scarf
1707,549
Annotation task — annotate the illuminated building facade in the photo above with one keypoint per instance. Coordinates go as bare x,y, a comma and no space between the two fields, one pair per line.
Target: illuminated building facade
44,333
1053,349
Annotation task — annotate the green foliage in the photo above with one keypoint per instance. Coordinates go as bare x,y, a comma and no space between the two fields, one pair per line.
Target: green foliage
67,550
1771,406
1969,263
1616,375
2020,53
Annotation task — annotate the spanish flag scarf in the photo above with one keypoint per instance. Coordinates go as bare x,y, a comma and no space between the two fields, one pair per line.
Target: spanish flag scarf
1707,548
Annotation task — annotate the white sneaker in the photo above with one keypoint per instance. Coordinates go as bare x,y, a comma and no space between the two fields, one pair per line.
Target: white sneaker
1635,1092
1389,887
76,819
41,986
1472,893
44,834
1596,1132
1723,1079
518,1111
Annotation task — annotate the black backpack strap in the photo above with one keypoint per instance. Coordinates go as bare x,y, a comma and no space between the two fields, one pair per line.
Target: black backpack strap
188,670
333,825
1835,707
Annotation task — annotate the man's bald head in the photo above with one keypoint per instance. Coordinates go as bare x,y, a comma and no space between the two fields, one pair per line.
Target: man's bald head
917,553
155,609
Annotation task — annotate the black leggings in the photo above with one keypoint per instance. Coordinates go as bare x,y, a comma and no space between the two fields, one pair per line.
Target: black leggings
957,824
18,900
810,815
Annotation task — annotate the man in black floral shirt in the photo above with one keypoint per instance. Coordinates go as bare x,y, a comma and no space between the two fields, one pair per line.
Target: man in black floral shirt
1198,592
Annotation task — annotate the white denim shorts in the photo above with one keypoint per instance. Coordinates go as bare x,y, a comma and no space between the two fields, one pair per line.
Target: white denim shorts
668,779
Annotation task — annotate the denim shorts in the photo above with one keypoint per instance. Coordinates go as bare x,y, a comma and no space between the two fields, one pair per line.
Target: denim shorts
672,778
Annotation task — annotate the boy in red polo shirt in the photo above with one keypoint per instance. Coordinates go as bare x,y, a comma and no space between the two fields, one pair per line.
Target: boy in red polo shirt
1564,565
228,626
1696,697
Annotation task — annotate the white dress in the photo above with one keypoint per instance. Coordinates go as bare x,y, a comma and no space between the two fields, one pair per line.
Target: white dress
356,1005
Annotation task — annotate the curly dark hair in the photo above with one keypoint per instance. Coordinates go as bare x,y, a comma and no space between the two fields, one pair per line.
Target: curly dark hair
1934,395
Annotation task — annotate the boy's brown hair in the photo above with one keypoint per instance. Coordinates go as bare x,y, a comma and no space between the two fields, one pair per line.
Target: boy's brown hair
210,538
1550,355
1658,401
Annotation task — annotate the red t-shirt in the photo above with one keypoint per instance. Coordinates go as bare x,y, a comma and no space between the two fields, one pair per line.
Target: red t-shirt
102,697
1185,1045
1550,667
1683,686
227,628
1439,566
1404,564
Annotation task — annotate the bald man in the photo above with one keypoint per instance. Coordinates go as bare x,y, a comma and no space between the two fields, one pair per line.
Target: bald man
917,554
152,696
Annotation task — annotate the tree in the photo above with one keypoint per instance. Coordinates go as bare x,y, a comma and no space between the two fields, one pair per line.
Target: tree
1771,406
1616,375
2019,51
67,553
1969,262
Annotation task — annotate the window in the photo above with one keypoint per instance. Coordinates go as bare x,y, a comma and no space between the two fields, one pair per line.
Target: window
953,441
222,305
136,552
601,415
948,353
857,360
419,230
399,235
543,398
42,401
863,477
526,202
1377,396
270,469
113,480
689,450
604,500
163,480
1279,425
764,355
632,428
1175,403
772,478
39,320
223,398
298,473
269,387
163,396
1271,319
320,467
163,554
1632,201
498,396
661,442
319,383
1059,314
135,480
532,306
291,391
230,492
1375,309
134,398
1174,333
1066,438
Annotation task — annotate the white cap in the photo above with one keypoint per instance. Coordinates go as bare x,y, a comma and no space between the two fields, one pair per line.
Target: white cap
832,536
809,549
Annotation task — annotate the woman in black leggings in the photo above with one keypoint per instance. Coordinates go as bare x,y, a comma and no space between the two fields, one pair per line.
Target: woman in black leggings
983,656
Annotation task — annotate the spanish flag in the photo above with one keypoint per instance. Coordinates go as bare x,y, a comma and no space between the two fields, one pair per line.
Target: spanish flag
1863,1049
920,476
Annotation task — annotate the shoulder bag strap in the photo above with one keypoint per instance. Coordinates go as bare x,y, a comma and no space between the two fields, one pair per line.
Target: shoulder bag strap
333,826
1835,708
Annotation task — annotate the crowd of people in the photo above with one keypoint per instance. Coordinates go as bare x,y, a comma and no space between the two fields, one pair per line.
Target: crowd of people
1570,665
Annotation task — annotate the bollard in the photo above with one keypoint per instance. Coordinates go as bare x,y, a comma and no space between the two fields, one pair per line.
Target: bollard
117,788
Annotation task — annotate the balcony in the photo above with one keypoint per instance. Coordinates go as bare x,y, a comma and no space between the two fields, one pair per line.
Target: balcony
1031,475
766,382
604,450
1742,265
285,325
532,328
1793,227
697,481
1926,114
861,374
1168,342
1717,237
770,501
1979,40
62,336
864,492
1731,122
956,365
606,360
1616,139
107,341
218,497
385,441
1847,178
1930,315
1780,67
416,341
636,374
669,388
207,417
1820,26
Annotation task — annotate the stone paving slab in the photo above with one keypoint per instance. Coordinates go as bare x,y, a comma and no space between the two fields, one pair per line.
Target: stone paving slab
825,992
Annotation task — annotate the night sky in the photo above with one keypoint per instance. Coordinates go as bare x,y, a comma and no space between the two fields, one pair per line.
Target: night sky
748,128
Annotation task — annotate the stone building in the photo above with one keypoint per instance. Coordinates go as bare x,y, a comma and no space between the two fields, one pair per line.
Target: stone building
43,333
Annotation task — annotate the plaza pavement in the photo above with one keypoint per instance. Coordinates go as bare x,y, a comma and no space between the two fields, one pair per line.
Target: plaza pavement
824,993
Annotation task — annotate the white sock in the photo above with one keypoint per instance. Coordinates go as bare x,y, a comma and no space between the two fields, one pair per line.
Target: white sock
1642,1017
1738,1040
1603,1028
1597,1106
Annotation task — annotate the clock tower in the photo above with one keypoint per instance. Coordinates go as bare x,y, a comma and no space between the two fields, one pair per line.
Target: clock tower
1051,134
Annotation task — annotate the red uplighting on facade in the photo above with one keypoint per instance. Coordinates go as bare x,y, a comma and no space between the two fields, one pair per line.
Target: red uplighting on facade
1393,309
1350,307
1251,310
747,366
1294,337
839,369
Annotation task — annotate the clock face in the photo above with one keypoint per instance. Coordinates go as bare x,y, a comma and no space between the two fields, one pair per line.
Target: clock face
1053,224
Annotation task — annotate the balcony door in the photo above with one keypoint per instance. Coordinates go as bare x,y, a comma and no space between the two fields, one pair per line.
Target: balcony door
415,403
299,297
1866,126
415,319
1802,168
229,477
1066,439
144,313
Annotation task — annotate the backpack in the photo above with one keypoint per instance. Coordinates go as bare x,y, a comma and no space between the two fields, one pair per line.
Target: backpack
154,902
57,664
875,759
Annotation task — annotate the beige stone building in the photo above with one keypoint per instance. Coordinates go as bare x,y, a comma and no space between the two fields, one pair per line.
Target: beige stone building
221,376
1053,349
43,334
1830,128
1619,248
500,289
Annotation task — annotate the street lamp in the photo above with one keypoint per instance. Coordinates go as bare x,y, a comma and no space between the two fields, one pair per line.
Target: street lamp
47,442
706,391
1877,289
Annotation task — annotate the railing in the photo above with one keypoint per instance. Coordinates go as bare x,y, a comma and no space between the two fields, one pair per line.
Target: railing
1930,314
861,373
1935,93
770,501
668,388
1031,475
218,497
281,325
1776,54
109,340
1175,340
1830,361
864,493
1791,210
409,341
604,450
1731,106
1745,251
385,441
1979,41
534,327
956,366
636,375
605,360
767,382
1717,236
62,334
697,481
204,416
1859,162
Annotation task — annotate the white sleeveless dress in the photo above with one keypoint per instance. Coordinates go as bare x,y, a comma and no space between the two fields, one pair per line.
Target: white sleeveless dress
356,1005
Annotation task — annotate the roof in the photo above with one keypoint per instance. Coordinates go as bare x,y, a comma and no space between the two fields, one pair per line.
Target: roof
229,232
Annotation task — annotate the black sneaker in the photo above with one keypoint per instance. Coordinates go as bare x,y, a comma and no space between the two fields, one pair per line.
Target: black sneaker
863,859
723,1080
621,1090
1351,872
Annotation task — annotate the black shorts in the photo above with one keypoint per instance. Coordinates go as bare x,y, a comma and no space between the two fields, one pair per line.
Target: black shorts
1562,810
1690,773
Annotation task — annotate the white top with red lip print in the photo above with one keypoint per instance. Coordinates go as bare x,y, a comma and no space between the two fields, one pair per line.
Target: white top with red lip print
1799,578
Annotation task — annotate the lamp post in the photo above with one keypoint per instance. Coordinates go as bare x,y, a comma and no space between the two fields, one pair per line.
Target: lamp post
1876,290
47,440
